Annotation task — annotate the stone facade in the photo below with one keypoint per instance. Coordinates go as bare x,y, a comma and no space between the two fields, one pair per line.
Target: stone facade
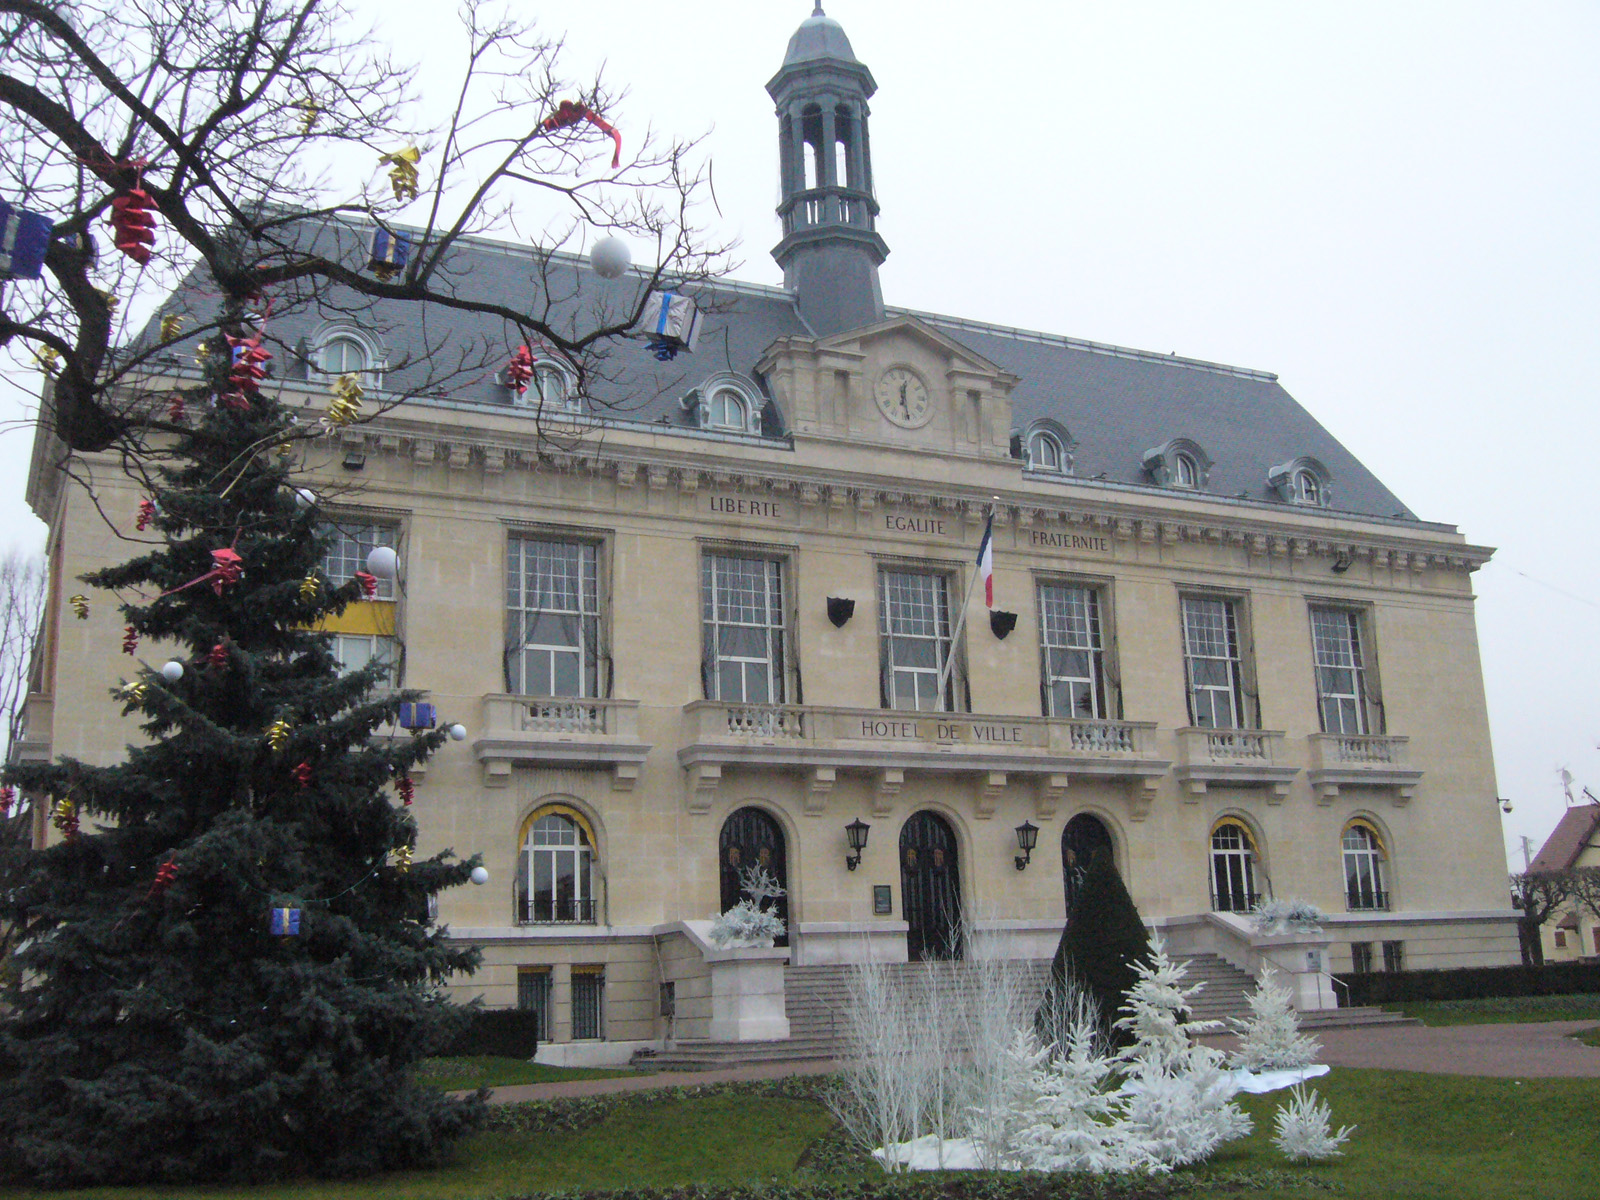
638,757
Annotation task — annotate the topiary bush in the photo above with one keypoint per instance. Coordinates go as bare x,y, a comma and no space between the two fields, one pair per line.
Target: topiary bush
1104,937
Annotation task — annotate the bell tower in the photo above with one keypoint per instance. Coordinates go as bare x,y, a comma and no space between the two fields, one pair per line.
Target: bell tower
831,251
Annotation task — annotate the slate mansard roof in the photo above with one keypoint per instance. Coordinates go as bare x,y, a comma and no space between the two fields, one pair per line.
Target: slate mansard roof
1116,404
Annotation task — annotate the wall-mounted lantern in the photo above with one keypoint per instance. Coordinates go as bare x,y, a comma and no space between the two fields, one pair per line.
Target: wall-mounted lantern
856,834
1027,839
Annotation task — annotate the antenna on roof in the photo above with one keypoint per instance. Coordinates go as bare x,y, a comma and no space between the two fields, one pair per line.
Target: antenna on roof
817,11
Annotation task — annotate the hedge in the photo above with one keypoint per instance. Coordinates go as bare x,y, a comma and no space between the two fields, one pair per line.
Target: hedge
504,1032
1470,983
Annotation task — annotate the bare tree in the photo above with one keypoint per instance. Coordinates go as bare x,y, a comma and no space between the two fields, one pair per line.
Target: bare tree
1538,894
251,133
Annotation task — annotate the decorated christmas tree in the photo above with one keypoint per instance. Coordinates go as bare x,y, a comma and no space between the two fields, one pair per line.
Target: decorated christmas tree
226,967
1103,940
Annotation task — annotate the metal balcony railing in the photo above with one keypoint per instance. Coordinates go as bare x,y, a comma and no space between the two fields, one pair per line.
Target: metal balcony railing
1366,900
1234,902
542,910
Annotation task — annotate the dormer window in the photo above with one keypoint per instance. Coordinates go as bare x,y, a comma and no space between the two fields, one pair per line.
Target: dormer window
343,350
726,403
1049,448
1185,471
551,389
1303,481
1181,463
728,410
1307,489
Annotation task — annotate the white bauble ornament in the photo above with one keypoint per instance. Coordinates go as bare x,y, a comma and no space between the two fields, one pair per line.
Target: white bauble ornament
305,497
610,257
172,672
458,733
382,562
480,875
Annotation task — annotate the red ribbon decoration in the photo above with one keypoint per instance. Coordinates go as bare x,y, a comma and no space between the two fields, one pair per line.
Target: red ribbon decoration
218,656
130,639
8,796
302,774
520,369
165,874
248,370
406,788
147,512
133,219
226,568
177,411
570,112
369,584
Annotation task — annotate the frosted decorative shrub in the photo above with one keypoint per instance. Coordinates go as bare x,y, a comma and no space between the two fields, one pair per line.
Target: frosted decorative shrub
1287,916
1271,1039
1304,1128
747,923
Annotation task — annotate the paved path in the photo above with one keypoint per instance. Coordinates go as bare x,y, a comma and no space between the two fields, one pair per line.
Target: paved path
1531,1051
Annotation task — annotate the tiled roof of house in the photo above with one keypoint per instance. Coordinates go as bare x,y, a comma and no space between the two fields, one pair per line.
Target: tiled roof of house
1568,840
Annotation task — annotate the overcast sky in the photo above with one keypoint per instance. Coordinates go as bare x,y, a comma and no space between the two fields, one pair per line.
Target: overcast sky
1394,206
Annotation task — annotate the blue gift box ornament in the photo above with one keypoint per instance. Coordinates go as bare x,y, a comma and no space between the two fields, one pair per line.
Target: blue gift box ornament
389,254
418,714
24,237
286,922
672,323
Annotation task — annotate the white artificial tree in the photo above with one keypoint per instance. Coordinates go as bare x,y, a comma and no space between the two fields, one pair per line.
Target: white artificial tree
1305,1129
1176,1099
1271,1039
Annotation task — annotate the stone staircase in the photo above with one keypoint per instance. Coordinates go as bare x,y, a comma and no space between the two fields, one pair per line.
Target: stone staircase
815,999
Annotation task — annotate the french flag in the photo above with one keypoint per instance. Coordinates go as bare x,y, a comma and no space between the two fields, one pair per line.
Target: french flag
986,561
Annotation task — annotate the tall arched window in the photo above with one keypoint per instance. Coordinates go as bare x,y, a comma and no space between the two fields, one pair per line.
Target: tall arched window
1084,836
1233,868
1363,867
555,876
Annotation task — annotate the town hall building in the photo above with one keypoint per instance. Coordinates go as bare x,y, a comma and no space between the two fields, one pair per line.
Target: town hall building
723,610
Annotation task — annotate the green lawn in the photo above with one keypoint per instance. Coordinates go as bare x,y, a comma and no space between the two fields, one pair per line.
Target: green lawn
1420,1137
1499,1010
460,1074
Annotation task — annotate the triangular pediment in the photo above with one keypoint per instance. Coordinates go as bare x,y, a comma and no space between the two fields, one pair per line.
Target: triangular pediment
909,328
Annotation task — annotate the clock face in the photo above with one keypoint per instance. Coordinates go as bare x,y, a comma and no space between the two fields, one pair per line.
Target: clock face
903,397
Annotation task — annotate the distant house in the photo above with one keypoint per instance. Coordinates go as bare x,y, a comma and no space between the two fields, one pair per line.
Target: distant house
1572,932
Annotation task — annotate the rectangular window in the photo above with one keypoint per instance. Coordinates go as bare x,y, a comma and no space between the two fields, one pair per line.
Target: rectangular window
1212,662
1561,939
588,1003
552,617
355,650
352,542
914,626
1361,957
1072,651
1341,678
1394,956
533,995
741,606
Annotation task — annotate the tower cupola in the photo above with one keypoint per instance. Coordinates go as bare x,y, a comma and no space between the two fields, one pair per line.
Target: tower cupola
831,251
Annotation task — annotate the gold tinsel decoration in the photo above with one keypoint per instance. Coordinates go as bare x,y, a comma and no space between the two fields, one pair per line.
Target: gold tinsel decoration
308,587
110,297
403,178
171,326
345,406
310,110
278,734
402,858
131,693
80,606
47,357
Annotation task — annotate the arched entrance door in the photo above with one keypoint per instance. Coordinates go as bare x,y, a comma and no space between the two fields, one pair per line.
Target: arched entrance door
930,887
1083,835
751,838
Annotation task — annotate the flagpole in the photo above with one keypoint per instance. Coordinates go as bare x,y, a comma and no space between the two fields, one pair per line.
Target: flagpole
961,624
